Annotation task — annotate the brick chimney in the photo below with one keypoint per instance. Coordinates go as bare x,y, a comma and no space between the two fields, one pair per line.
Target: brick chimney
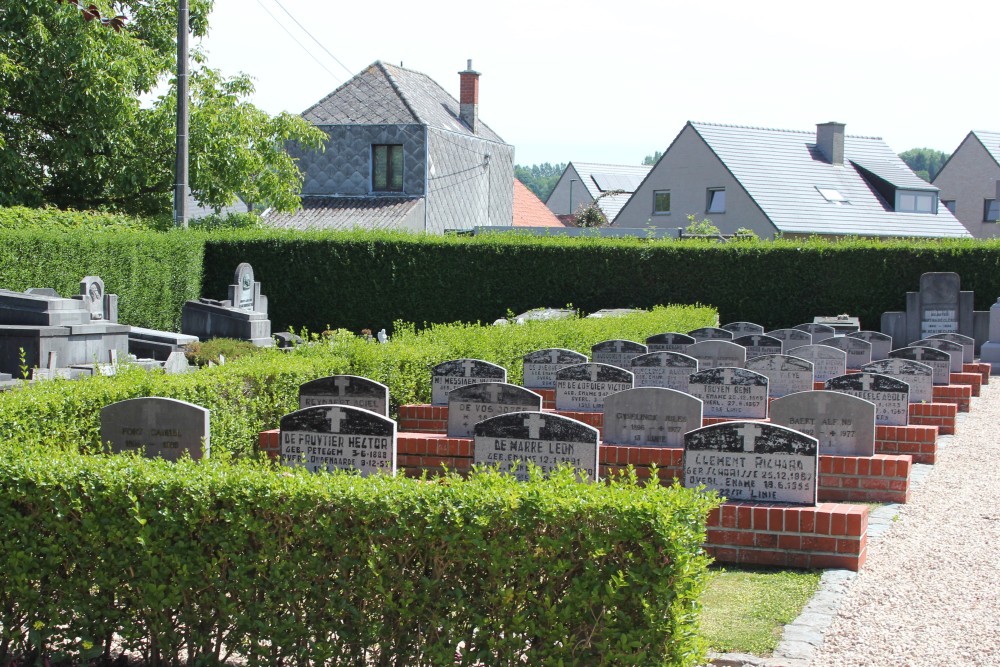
469,96
830,142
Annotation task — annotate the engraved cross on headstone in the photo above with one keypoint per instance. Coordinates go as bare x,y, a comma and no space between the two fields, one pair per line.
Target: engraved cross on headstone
750,432
342,384
492,391
593,372
467,367
335,416
618,346
554,357
755,340
866,382
534,423
727,376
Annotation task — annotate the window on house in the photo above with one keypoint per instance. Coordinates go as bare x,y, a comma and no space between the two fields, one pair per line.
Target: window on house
661,202
949,204
915,202
990,211
716,200
832,195
387,168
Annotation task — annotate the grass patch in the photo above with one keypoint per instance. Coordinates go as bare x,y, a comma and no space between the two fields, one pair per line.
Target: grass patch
746,608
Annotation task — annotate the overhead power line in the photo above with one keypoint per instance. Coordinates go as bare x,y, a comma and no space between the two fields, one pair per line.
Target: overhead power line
295,39
319,43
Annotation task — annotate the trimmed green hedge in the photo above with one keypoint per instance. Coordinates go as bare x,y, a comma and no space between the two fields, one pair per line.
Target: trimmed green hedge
191,563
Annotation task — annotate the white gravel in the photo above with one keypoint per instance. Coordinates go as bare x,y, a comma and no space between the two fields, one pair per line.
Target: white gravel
929,593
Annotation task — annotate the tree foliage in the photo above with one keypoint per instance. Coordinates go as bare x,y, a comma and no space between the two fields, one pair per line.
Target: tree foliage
925,162
652,159
540,178
74,134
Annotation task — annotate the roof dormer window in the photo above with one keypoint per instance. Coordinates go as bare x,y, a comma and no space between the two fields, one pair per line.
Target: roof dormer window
908,201
833,196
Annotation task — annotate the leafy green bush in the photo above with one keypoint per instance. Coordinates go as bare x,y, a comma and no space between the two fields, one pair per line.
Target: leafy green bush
202,352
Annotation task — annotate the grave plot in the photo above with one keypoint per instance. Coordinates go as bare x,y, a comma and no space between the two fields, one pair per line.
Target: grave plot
650,417
545,440
791,338
669,342
785,374
859,352
758,345
157,427
670,370
717,353
460,372
350,390
739,329
338,437
828,362
617,353
730,393
710,333
540,369
880,342
474,403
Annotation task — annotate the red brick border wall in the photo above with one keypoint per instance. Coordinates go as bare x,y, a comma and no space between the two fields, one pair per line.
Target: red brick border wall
959,394
942,415
981,367
974,380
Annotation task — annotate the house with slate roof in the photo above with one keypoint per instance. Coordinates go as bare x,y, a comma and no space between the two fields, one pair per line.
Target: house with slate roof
582,183
970,183
788,182
403,153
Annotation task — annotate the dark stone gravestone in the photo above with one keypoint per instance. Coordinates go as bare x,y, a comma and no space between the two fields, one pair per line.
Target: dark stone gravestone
940,306
540,366
544,439
157,427
955,350
350,390
471,404
880,342
844,424
743,329
338,437
616,352
717,353
816,330
791,338
669,342
753,461
919,377
968,344
650,417
243,315
670,370
828,362
890,396
710,333
939,361
583,387
859,352
734,393
459,373
785,374
758,345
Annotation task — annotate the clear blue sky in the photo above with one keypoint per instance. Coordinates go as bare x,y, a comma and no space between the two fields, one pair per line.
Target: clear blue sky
612,82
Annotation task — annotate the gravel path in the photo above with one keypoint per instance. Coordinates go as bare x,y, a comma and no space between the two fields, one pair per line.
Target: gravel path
929,593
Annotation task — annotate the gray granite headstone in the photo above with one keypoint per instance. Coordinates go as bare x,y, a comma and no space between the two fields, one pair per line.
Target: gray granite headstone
717,353
890,396
670,370
669,342
469,405
919,376
583,387
753,461
816,330
544,439
758,345
940,302
616,352
956,351
650,417
243,280
460,372
791,338
350,390
939,361
844,424
540,366
92,293
743,329
733,393
710,333
338,437
785,374
880,342
967,342
157,427
176,363
859,352
827,361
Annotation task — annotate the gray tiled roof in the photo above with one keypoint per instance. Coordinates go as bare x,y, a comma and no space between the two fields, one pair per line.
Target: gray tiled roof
597,177
782,169
384,94
345,213
991,140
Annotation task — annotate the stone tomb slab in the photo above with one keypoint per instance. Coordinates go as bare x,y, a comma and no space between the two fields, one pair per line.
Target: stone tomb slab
650,417
732,393
157,427
710,333
939,303
739,329
919,377
843,423
669,342
351,390
785,374
583,387
939,361
828,362
890,396
791,338
859,352
338,437
471,404
540,366
881,343
459,373
616,352
670,370
955,351
717,353
816,330
967,342
758,345
546,440
752,461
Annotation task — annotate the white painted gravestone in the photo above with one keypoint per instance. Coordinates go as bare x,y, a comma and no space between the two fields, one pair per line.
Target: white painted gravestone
717,353
460,372
919,377
968,344
469,405
791,338
785,374
859,352
844,424
338,437
663,369
157,427
734,393
546,440
939,361
828,362
650,417
880,342
345,390
956,353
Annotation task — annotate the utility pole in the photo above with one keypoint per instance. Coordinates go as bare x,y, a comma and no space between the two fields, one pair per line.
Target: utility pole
181,171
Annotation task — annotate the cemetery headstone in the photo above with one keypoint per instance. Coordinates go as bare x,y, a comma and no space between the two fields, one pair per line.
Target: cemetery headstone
583,387
919,377
791,338
670,370
616,352
157,427
243,315
471,404
540,366
650,417
890,396
733,393
816,330
669,342
939,361
93,296
859,352
546,440
338,437
243,282
176,364
758,345
450,375
350,390
717,353
753,461
968,344
743,329
940,306
955,350
844,424
828,362
880,342
710,333
785,374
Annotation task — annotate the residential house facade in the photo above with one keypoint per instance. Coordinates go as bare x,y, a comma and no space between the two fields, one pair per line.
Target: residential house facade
583,183
970,183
